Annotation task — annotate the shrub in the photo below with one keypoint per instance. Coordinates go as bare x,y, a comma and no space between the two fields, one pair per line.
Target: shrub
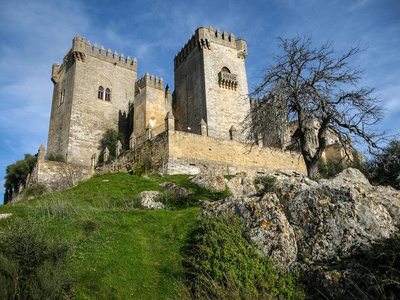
330,169
32,265
222,264
173,200
55,157
267,182
35,190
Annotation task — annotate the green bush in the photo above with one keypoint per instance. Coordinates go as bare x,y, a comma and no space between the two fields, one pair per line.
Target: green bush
330,169
32,264
55,157
268,183
173,200
35,190
222,264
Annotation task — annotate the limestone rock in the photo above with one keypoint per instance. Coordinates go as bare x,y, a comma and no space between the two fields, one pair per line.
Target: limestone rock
176,189
3,216
148,199
210,181
241,184
267,222
311,222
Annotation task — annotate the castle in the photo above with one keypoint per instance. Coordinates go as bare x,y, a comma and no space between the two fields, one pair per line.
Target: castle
95,90
198,126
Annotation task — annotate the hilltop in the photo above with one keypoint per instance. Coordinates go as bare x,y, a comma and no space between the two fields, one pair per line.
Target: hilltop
97,241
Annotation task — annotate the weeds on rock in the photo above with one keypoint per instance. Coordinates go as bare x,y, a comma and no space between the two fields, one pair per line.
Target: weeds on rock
222,264
267,183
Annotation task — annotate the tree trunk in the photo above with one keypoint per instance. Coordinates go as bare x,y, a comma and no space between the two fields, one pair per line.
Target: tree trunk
312,168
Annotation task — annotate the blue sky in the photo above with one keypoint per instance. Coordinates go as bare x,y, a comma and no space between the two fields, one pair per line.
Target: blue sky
35,34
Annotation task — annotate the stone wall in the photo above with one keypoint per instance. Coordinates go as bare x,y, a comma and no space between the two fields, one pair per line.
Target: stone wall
189,153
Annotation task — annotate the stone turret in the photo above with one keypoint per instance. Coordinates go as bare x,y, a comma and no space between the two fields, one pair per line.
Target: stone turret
211,83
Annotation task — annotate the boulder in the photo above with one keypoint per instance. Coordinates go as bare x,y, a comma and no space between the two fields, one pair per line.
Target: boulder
267,223
148,199
210,180
312,222
176,189
241,184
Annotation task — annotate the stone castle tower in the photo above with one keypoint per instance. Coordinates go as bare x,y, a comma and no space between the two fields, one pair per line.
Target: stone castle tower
92,91
95,90
211,84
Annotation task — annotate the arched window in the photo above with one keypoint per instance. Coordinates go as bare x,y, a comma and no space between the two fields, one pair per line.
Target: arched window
62,97
100,94
225,70
108,95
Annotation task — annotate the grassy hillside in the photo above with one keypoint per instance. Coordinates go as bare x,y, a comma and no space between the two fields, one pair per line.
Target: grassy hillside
114,249
96,241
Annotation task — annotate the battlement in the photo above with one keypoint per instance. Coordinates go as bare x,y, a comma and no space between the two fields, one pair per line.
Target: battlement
81,48
204,37
150,81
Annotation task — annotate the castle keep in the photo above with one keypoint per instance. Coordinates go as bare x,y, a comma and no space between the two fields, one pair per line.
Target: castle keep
95,90
196,127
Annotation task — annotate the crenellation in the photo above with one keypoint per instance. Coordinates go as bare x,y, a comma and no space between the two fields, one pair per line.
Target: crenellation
148,80
108,53
102,50
218,34
122,58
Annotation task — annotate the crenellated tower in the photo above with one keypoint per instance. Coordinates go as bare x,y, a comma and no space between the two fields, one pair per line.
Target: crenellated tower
92,92
211,84
151,105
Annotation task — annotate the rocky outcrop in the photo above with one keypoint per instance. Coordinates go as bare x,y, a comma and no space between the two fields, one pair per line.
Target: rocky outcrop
176,189
148,199
240,184
307,222
267,223
210,181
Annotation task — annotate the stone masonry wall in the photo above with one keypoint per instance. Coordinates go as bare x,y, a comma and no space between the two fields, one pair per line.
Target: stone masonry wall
57,141
91,116
188,153
226,106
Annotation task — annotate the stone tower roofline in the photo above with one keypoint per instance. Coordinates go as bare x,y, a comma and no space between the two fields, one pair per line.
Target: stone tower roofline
149,81
81,45
81,48
203,38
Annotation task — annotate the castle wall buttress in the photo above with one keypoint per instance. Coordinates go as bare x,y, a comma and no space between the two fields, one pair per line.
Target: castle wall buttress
58,137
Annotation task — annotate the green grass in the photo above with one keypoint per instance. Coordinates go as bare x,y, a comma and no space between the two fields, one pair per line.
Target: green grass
116,251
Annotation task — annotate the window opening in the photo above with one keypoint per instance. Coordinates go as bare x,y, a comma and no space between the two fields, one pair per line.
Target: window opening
108,95
100,94
62,97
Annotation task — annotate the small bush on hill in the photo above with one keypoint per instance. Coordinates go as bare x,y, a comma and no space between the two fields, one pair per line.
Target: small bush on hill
33,265
222,264
267,182
330,169
173,200
35,190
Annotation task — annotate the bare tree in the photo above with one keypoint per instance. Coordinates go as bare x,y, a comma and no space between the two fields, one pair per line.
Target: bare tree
319,91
